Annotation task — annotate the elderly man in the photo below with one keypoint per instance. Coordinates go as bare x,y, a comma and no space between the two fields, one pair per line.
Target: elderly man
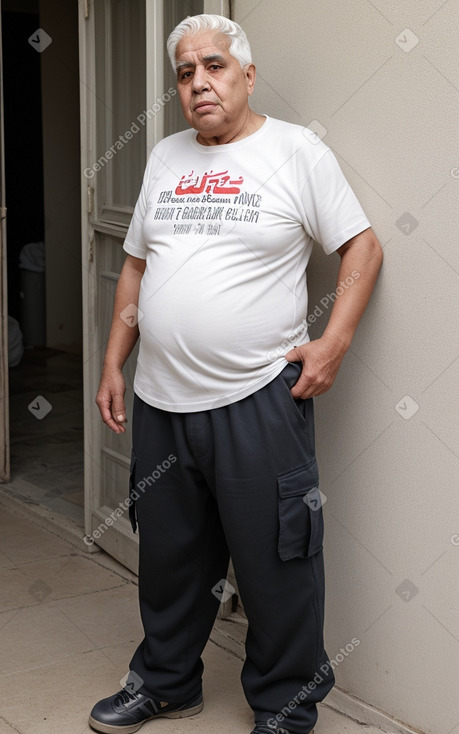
216,258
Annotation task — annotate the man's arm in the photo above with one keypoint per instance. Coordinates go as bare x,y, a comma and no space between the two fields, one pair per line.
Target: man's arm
121,342
322,357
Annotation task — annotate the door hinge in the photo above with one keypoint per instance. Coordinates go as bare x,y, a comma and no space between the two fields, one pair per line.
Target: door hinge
90,199
87,4
3,212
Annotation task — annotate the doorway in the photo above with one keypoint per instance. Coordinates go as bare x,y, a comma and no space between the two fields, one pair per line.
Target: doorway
42,181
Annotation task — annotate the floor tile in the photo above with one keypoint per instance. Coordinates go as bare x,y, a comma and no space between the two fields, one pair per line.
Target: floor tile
35,637
72,632
6,728
76,498
106,617
21,540
4,560
31,583
63,507
61,696
119,657
48,453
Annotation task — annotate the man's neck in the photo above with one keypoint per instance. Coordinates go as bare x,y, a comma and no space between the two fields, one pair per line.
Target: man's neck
250,125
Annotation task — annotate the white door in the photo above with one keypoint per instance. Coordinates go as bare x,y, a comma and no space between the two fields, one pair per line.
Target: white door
125,108
4,415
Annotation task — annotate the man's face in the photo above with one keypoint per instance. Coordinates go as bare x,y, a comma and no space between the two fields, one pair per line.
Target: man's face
212,85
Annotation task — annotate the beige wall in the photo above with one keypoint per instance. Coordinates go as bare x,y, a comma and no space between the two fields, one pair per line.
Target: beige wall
391,117
61,163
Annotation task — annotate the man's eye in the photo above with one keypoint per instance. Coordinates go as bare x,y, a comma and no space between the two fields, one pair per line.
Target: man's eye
185,75
215,66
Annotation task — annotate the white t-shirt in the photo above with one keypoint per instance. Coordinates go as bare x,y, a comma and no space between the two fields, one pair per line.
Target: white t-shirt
227,232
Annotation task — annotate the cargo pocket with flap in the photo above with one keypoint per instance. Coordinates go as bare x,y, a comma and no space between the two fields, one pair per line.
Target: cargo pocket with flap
301,525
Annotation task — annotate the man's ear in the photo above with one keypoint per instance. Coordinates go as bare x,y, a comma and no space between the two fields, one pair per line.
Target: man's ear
250,75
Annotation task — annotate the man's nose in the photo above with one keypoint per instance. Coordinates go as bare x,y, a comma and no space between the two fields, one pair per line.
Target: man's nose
200,80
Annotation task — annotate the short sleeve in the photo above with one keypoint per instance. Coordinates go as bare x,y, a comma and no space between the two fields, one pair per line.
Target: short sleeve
332,212
135,244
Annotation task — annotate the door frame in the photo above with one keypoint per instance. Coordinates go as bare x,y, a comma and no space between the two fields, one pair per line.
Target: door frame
4,376
120,541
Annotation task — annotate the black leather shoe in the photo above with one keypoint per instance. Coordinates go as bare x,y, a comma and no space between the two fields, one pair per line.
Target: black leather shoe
266,729
126,711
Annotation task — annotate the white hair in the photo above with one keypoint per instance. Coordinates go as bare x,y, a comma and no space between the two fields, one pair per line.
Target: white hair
239,47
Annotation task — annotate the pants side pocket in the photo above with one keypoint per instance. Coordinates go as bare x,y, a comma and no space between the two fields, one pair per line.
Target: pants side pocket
301,525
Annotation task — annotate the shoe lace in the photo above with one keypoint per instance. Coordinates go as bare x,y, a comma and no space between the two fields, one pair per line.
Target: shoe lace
126,696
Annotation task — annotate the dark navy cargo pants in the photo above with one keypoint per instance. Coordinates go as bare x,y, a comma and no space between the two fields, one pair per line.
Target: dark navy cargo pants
242,481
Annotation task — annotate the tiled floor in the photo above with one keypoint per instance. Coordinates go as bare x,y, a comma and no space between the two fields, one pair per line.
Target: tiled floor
47,449
69,623
69,620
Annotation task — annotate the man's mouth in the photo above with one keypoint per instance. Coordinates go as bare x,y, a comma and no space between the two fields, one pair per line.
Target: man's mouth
204,104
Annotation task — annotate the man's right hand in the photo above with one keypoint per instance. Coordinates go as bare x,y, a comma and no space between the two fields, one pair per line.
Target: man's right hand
110,400
110,395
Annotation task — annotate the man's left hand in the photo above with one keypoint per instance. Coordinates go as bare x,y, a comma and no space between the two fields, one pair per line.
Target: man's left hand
361,259
321,361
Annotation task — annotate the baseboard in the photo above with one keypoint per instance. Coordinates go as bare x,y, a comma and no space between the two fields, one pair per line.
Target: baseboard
363,713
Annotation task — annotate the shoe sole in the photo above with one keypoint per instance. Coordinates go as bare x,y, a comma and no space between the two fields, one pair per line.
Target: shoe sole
131,728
